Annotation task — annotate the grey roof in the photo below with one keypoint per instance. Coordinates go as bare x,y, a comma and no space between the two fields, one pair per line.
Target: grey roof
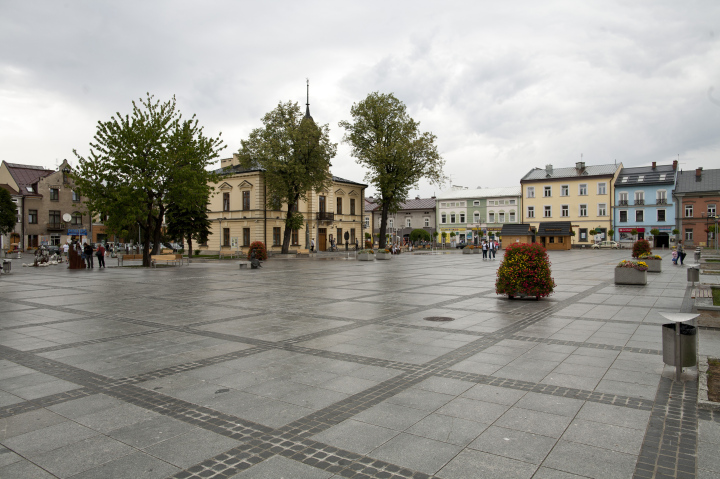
556,228
236,169
521,229
646,175
480,193
414,204
687,182
571,172
342,180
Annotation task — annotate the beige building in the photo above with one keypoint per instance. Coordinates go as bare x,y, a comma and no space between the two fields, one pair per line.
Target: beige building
239,216
581,195
51,212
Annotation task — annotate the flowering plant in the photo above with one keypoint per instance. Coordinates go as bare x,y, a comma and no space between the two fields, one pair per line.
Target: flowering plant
384,251
641,247
638,265
525,269
469,247
650,256
366,251
260,251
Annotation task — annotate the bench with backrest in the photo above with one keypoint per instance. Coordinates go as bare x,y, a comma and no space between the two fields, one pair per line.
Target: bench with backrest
175,259
129,257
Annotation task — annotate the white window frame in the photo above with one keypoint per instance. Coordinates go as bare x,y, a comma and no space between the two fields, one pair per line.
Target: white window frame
661,195
602,188
531,192
565,190
390,223
530,212
547,191
443,218
476,203
547,211
511,218
501,217
462,217
564,211
512,202
639,195
408,222
688,235
642,212
583,210
657,216
688,208
711,210
602,209
452,218
583,189
476,217
620,212
426,221
491,217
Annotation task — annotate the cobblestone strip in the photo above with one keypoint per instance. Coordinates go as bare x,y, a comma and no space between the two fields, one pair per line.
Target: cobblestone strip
579,344
45,401
88,342
48,323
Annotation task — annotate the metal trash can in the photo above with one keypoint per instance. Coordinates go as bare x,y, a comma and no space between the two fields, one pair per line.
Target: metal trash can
693,273
688,344
697,255
6,266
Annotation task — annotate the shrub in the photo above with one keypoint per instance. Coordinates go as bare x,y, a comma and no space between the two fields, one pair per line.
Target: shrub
641,247
419,235
259,248
525,269
649,256
368,244
638,265
366,251
197,252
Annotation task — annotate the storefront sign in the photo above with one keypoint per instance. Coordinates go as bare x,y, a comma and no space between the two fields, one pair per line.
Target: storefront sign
629,230
76,232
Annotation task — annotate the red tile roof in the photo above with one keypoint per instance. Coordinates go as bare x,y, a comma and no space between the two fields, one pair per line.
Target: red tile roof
25,175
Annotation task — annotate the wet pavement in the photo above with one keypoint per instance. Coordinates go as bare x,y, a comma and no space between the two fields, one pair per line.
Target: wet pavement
328,368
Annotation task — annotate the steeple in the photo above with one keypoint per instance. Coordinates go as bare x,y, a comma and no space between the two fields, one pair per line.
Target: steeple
307,105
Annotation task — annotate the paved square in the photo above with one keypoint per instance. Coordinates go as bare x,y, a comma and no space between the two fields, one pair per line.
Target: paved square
327,368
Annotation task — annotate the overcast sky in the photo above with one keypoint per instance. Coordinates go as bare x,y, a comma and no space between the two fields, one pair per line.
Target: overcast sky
505,86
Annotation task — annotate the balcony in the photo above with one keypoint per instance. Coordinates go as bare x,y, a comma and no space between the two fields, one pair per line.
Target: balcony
55,227
623,203
661,201
325,216
639,202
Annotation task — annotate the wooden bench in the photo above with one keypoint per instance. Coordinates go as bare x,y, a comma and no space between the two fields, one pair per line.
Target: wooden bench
175,259
122,257
231,254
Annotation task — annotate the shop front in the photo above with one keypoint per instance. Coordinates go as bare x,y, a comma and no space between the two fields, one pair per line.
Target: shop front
555,235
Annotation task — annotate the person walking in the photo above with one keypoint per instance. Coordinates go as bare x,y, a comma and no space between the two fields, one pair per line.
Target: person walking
681,252
312,245
88,253
66,249
484,250
101,256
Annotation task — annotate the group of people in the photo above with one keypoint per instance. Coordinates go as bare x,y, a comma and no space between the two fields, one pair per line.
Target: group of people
87,254
489,248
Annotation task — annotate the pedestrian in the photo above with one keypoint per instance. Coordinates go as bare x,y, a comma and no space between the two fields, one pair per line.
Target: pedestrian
674,257
312,245
485,250
681,252
66,249
88,253
493,248
101,256
357,244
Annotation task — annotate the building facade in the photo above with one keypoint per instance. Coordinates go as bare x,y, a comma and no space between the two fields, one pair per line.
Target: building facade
239,215
697,197
12,239
52,211
582,195
644,202
418,213
474,214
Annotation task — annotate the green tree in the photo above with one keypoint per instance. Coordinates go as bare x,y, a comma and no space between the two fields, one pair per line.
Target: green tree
295,155
8,212
189,222
142,163
419,235
386,141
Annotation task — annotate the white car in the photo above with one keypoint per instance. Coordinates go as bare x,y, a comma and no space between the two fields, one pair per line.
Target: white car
605,244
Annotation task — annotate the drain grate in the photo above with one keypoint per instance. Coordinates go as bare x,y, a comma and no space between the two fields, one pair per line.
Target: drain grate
440,319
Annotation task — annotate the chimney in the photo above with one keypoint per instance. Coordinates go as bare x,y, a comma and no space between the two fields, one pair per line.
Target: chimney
548,169
580,165
417,197
654,165
674,165
698,172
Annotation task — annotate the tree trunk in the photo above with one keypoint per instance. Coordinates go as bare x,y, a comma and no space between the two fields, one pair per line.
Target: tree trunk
146,245
189,241
157,234
287,234
383,225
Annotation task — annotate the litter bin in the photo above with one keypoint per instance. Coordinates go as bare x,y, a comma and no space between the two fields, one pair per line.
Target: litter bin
6,266
697,255
693,273
688,344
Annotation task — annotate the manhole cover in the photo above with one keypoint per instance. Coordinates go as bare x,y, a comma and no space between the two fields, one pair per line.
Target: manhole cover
439,318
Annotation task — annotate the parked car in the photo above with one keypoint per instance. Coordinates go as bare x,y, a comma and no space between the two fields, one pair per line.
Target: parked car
52,249
460,245
605,244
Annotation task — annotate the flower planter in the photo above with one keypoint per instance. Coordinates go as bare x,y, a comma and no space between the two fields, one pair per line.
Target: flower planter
467,251
366,257
654,265
476,251
630,276
382,256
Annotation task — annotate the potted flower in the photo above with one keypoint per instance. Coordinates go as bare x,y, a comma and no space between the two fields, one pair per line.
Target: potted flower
468,249
653,261
366,255
631,272
641,247
383,254
525,271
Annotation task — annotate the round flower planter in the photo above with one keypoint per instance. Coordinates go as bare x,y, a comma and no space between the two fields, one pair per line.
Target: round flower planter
382,256
630,276
365,257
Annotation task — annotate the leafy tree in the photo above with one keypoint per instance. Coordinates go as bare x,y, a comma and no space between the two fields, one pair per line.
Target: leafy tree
188,222
141,164
419,235
295,155
386,141
611,233
8,212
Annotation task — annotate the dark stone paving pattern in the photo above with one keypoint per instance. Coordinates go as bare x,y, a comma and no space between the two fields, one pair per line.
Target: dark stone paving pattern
413,366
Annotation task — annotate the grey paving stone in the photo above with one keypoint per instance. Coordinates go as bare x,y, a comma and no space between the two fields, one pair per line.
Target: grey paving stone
108,419
133,466
547,473
190,448
452,430
514,444
8,457
280,467
356,436
494,394
27,422
81,456
561,406
607,436
590,461
85,406
24,470
392,416
421,399
535,422
445,385
49,438
615,415
151,431
470,463
417,453
708,458
480,411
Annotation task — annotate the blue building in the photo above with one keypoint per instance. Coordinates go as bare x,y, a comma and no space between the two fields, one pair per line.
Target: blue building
644,201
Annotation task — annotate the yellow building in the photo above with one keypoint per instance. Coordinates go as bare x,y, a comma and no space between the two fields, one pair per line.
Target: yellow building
582,195
239,216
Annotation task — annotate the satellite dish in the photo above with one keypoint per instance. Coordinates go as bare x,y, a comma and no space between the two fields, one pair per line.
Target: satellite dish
67,217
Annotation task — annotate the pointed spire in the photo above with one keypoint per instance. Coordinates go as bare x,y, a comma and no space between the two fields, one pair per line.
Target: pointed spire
307,105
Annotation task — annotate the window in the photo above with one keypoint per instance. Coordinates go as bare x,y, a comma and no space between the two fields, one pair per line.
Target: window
54,217
583,235
32,217
711,210
623,199
565,190
426,222
564,210
547,191
688,235
443,218
552,239
512,217
390,222
276,236
476,217
623,216
339,206
661,215
76,218
367,222
661,197
511,202
246,200
639,216
452,217
688,211
491,217
33,241
602,209
639,197
295,238
547,212
226,237
476,203
352,206
322,204
583,210
531,212
531,192
55,239
407,222
226,201
54,194
75,196
462,217
582,191
352,236
602,188
339,236
501,217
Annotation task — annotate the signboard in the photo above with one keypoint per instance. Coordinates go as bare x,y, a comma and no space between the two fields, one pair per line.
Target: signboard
629,230
77,232
234,242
